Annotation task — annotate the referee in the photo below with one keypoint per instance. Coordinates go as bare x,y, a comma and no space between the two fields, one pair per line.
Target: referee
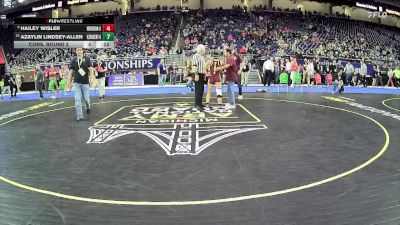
198,63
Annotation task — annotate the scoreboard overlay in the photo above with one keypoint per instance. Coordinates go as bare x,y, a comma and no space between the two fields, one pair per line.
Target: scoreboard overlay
88,33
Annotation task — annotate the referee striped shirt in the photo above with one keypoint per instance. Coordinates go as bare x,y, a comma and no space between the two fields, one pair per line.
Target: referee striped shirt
199,61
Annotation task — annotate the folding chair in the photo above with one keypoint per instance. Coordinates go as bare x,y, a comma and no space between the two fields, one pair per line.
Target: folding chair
284,79
297,80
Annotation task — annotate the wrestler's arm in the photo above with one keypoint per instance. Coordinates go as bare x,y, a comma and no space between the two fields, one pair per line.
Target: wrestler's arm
224,67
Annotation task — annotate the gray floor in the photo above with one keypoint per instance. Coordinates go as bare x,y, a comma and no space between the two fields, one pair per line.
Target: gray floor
302,144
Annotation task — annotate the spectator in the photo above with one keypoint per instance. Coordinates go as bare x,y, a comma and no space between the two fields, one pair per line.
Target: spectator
39,79
6,87
101,69
391,78
268,70
397,76
309,72
18,79
162,73
293,68
363,73
245,68
349,71
13,86
173,70
377,79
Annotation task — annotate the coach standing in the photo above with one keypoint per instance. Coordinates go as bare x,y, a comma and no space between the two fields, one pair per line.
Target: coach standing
231,77
198,69
82,74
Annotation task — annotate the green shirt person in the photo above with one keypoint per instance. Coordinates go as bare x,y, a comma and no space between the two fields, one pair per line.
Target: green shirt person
397,73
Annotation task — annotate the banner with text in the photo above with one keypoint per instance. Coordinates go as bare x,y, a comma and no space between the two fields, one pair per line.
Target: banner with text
132,64
126,80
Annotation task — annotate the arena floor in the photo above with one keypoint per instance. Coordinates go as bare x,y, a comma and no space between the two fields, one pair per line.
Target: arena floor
278,159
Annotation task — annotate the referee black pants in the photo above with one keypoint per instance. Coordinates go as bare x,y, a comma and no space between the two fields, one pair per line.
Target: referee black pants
267,77
14,90
199,91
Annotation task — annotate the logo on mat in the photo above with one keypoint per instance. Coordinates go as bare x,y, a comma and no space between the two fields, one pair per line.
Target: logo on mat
179,129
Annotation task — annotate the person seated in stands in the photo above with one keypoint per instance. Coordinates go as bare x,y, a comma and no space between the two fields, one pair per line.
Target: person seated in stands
397,76
377,79
391,79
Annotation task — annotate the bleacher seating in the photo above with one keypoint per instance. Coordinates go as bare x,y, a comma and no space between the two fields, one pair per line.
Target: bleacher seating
262,32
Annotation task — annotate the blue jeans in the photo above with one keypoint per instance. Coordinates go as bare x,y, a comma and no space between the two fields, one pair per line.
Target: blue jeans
349,77
190,83
335,86
239,83
81,90
161,79
231,92
173,79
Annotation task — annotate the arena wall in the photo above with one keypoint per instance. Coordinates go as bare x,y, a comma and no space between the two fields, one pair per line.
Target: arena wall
389,20
192,4
284,4
253,3
77,10
212,4
338,9
362,14
316,6
60,13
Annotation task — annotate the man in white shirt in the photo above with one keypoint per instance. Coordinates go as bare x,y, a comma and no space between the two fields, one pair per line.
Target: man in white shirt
268,69
288,66
309,72
363,73
349,71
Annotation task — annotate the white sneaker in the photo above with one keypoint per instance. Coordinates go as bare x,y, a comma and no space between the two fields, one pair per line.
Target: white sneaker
229,106
240,97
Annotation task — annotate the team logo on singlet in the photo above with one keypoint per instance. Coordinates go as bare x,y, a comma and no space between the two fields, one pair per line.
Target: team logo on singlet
179,129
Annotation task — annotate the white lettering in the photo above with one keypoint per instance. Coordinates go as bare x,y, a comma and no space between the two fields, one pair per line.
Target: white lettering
366,6
48,6
73,2
393,12
126,64
120,64
150,62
